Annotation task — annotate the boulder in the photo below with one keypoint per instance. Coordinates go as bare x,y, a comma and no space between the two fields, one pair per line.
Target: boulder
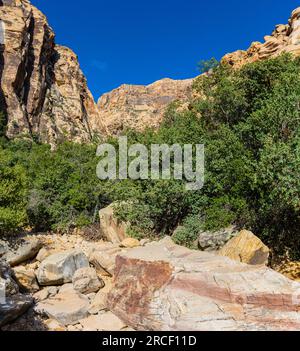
165,287
99,302
246,248
43,254
103,258
59,268
85,281
12,303
26,279
67,307
27,250
213,241
130,243
13,307
8,286
111,228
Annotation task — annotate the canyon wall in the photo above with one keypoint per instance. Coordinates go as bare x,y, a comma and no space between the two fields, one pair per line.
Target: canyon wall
43,91
44,94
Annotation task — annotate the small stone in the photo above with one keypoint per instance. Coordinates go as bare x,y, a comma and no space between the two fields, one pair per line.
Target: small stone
85,280
130,243
53,325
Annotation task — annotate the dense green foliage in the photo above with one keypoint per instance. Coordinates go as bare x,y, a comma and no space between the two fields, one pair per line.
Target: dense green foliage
55,190
249,121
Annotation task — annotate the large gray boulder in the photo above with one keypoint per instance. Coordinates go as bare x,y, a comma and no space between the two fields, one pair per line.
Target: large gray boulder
27,250
59,268
165,287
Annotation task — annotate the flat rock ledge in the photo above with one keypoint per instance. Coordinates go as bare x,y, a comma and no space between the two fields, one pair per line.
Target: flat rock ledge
165,287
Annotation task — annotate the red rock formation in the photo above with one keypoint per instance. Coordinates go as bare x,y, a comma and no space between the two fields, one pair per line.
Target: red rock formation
167,287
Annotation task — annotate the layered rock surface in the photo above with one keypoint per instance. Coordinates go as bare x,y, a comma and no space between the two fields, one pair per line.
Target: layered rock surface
167,287
138,107
43,91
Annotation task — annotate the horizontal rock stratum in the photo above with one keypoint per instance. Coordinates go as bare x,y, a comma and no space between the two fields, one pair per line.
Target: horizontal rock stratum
163,286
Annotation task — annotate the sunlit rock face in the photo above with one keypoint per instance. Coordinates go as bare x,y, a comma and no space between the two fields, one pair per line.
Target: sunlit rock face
285,38
43,91
138,107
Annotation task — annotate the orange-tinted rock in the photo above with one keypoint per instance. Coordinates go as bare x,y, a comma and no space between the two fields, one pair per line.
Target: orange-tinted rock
246,248
285,38
43,91
137,106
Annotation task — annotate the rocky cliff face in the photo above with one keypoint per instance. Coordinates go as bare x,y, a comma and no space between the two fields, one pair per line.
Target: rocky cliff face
43,91
44,94
138,106
285,38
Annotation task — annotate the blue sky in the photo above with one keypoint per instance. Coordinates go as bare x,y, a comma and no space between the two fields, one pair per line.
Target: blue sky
140,41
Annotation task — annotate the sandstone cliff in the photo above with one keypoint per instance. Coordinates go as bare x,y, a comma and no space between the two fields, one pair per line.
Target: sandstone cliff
43,91
138,106
285,38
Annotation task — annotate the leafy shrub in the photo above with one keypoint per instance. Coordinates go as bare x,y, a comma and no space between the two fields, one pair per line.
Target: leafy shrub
13,192
249,121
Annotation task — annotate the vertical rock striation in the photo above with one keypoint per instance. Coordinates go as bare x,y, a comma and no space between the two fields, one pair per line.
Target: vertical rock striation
43,91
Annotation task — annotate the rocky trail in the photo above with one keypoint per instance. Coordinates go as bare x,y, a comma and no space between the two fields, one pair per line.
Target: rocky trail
68,283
